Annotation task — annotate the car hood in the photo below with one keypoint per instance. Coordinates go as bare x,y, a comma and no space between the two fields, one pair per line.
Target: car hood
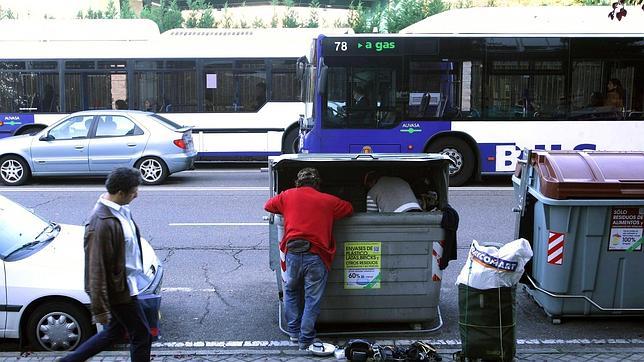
22,141
58,268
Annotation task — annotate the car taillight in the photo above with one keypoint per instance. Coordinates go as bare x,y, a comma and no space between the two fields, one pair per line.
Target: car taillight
180,143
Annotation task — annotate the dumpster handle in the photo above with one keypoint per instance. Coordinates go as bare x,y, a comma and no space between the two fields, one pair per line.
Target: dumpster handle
438,309
582,297
364,155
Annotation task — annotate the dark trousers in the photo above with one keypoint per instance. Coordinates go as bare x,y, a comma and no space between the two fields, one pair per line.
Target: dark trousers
128,318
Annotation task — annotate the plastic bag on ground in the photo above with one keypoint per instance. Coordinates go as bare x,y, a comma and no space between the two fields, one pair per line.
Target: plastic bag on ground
490,267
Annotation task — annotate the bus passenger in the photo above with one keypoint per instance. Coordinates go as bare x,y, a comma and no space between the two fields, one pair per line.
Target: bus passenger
309,249
120,104
614,94
389,194
148,106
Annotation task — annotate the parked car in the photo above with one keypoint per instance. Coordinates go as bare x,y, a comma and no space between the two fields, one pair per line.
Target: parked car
96,142
42,296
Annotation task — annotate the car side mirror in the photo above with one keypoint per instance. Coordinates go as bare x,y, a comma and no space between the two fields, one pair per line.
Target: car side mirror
46,137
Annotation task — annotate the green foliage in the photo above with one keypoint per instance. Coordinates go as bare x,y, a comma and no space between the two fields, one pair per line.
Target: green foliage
111,12
290,19
314,16
358,18
275,18
227,21
167,15
402,13
6,14
126,10
200,15
258,23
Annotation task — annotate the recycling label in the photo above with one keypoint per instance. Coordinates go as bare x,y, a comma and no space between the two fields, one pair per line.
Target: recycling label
626,229
362,265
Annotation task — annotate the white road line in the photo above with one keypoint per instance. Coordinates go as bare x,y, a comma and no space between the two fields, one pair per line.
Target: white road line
186,290
218,224
402,342
142,189
256,170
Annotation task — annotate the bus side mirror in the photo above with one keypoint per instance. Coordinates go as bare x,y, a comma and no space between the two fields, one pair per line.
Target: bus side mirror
300,66
324,71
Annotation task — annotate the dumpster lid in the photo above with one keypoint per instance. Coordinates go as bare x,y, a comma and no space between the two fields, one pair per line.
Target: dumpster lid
589,174
291,159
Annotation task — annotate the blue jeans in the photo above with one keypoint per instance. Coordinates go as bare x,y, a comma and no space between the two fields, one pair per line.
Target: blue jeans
128,318
306,277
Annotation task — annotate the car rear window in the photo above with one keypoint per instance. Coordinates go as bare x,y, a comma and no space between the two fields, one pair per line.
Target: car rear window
166,122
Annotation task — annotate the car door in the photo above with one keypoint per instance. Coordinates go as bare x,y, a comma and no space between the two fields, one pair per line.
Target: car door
3,300
118,142
63,149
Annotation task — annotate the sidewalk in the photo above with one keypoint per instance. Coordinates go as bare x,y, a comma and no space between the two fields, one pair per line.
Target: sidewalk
524,353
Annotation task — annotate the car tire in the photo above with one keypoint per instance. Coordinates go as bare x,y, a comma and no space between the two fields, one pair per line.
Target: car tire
14,171
153,170
58,326
291,141
460,152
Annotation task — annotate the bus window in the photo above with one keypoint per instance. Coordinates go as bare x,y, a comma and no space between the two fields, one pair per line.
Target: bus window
284,85
525,89
94,85
235,86
24,88
165,87
430,89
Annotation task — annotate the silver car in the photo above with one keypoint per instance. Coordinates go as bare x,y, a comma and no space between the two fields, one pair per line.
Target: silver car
96,142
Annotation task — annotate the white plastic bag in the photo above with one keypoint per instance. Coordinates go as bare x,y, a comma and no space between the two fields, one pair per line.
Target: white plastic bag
490,267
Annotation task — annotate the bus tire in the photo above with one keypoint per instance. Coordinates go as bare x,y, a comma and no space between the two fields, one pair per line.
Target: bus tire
460,152
14,170
291,141
153,170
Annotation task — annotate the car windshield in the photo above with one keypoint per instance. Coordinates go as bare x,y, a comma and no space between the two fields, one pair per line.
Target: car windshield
18,226
166,122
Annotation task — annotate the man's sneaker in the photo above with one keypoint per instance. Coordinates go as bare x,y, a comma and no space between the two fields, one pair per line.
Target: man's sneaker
293,339
304,346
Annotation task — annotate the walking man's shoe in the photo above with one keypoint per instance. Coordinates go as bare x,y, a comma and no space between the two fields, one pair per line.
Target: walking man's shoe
293,339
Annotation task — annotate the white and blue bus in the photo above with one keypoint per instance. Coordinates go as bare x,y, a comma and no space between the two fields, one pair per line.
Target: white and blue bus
479,93
236,87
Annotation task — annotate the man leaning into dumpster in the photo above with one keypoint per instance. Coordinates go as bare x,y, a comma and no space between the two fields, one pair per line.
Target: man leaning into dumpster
309,249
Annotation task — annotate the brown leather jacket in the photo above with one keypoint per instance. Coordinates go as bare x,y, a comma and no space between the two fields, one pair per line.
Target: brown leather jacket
105,278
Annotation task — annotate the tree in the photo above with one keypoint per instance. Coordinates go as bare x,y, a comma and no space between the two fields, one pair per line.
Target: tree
126,10
200,15
290,16
619,8
111,12
358,18
275,18
6,14
406,12
314,17
227,21
258,23
166,15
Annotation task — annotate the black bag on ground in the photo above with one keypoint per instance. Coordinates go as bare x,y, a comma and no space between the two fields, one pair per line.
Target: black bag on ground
358,350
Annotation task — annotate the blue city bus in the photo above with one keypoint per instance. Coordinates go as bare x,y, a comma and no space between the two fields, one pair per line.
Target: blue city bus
478,97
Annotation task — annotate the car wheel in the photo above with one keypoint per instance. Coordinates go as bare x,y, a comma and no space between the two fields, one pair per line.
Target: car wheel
291,141
460,171
58,326
14,171
153,170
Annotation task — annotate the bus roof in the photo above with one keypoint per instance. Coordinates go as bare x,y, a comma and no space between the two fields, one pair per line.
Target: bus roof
78,30
572,21
172,44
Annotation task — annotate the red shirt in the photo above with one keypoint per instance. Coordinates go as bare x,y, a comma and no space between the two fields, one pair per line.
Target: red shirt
309,214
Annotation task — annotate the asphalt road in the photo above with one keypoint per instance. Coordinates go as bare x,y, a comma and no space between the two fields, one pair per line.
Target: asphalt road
207,227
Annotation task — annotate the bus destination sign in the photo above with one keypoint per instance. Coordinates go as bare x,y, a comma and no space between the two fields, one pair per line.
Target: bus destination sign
351,46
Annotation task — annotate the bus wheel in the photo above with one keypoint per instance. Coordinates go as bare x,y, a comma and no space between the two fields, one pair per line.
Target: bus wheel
291,141
461,153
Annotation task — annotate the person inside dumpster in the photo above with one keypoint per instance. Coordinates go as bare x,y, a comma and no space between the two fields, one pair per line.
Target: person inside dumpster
389,194
309,249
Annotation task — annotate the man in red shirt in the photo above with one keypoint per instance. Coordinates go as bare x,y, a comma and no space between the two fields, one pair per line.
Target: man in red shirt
309,247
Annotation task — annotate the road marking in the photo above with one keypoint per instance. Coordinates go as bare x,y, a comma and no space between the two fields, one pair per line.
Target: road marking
400,342
142,189
218,224
187,290
256,170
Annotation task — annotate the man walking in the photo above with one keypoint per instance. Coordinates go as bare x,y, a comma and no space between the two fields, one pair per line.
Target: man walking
114,271
309,247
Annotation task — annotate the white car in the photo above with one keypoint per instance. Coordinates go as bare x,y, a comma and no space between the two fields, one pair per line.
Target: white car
42,296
